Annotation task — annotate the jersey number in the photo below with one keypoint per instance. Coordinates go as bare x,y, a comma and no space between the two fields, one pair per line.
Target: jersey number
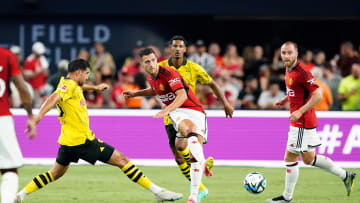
61,111
2,87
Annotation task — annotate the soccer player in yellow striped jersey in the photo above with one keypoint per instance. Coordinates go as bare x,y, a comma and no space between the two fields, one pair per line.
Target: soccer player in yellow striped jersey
192,73
77,141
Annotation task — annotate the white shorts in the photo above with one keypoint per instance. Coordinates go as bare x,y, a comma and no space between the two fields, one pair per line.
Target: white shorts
10,154
197,117
302,140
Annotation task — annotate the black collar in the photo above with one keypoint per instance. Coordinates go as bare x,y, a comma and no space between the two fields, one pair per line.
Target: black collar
171,64
297,64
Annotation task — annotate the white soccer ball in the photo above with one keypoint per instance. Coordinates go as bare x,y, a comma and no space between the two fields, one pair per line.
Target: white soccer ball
255,183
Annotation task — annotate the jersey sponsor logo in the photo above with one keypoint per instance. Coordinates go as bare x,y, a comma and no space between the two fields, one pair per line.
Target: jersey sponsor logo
290,92
167,97
63,88
174,81
311,81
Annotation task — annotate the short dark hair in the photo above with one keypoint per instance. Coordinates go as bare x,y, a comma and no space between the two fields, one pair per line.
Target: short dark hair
178,37
78,64
146,51
291,42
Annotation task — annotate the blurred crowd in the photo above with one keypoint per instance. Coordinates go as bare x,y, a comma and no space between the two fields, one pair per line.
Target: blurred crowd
248,78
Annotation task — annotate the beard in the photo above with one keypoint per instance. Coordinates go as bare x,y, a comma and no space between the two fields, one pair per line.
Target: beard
288,63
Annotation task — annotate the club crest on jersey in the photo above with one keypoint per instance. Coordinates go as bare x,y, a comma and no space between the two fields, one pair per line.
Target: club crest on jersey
63,88
174,81
290,81
161,87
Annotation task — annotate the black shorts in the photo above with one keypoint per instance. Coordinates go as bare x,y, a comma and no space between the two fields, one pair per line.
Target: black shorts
171,132
90,151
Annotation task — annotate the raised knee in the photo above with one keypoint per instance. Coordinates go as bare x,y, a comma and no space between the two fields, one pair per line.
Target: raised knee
308,161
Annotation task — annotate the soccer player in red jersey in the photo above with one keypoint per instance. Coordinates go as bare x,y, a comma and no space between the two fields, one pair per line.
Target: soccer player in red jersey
10,153
183,108
303,94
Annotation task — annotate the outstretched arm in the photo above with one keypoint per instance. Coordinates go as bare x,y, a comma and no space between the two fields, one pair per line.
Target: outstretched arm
148,92
48,104
229,110
281,102
100,87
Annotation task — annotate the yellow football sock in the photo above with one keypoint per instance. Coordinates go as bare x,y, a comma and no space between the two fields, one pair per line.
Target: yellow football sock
38,182
136,175
186,155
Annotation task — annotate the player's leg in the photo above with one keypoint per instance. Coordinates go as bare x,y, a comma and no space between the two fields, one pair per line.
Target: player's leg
136,175
9,185
187,128
10,159
64,157
292,153
325,163
183,149
311,140
291,177
42,180
180,150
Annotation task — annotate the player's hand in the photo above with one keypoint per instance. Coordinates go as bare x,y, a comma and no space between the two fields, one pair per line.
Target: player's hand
229,110
102,87
31,127
161,114
128,94
279,103
295,115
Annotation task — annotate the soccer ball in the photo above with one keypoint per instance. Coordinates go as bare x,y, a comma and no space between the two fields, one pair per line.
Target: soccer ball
255,183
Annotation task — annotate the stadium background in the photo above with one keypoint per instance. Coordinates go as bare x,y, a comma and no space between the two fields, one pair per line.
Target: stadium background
67,26
313,24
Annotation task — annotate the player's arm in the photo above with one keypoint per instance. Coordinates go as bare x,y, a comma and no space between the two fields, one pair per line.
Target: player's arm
315,98
24,93
180,98
27,104
100,87
281,102
227,107
48,104
148,92
25,97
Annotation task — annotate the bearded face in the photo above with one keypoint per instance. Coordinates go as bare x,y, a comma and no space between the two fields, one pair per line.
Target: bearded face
289,55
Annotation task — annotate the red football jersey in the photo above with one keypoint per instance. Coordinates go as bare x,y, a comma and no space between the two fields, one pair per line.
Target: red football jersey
167,82
299,86
8,67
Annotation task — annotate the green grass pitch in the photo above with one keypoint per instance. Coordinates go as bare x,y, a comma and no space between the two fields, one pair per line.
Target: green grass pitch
87,183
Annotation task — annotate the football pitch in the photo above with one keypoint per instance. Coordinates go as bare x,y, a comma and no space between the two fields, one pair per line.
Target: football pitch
85,183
